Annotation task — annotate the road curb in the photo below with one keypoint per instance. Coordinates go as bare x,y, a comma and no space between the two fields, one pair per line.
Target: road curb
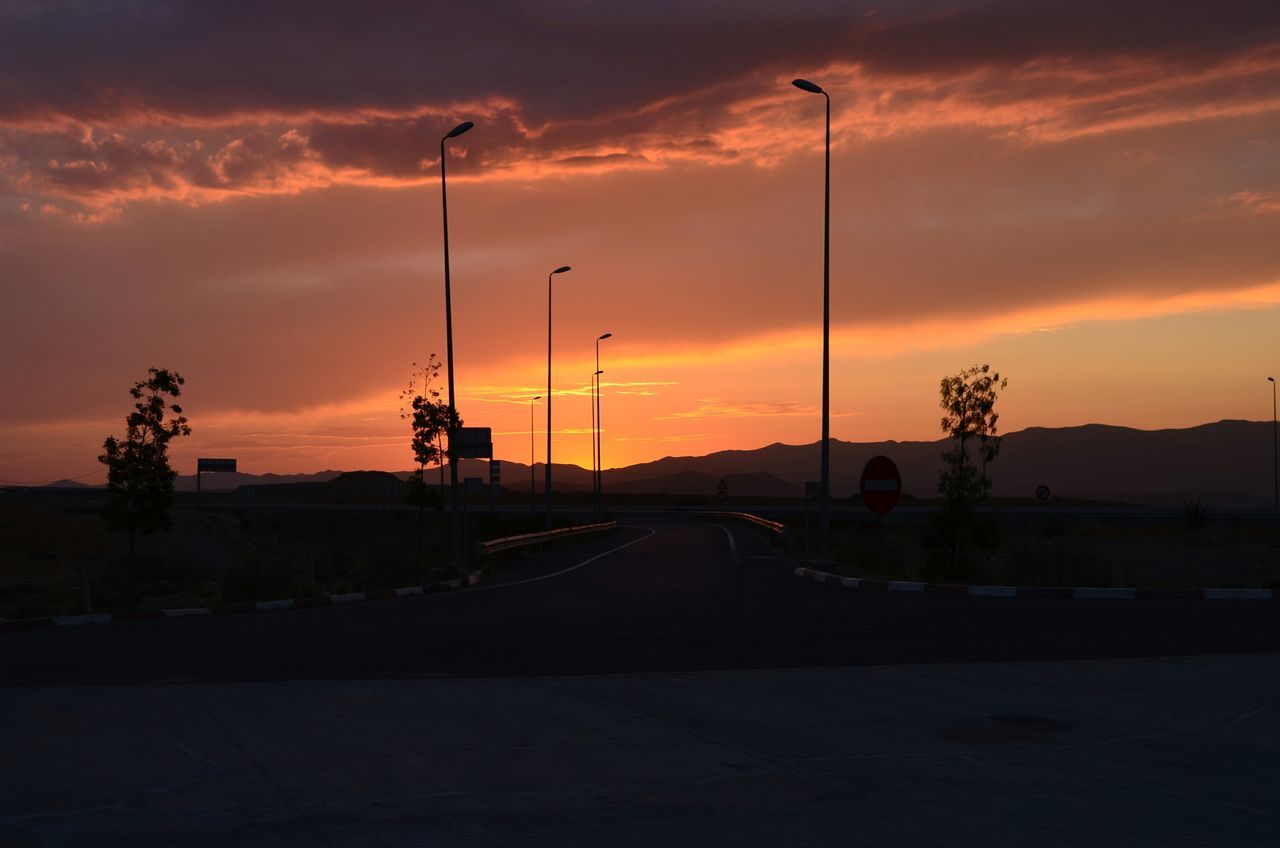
1078,593
243,607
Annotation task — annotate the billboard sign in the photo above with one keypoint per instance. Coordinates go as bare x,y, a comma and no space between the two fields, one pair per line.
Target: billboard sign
472,443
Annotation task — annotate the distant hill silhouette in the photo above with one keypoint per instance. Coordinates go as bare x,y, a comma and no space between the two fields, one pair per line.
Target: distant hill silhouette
225,482
697,483
350,487
1224,462
74,484
1227,462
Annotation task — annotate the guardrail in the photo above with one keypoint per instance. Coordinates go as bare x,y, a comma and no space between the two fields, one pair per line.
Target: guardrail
509,542
774,526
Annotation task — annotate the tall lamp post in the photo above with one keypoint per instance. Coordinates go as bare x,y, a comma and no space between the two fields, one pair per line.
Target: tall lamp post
458,553
599,487
1275,450
533,490
562,269
824,497
591,402
595,478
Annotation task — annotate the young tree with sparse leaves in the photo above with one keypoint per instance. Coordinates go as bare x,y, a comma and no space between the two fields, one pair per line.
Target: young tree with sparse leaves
139,479
968,400
429,419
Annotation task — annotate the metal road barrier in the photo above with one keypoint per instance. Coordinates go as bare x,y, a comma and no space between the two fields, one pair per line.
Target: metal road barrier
495,545
775,526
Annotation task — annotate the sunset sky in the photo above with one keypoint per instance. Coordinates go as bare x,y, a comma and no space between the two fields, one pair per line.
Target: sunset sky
1084,194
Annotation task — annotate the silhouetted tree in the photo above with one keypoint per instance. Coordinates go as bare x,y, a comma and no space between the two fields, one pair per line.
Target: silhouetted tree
429,419
139,479
968,400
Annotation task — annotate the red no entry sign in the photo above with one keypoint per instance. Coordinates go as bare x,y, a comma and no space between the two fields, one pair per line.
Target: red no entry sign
881,485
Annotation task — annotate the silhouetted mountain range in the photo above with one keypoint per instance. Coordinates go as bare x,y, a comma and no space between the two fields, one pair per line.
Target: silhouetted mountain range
1227,462
70,484
223,482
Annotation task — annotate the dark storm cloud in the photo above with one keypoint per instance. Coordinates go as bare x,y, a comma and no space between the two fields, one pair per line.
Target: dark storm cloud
1016,31
106,102
96,61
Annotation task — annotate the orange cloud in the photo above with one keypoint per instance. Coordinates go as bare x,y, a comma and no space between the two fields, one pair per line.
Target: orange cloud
1257,202
192,158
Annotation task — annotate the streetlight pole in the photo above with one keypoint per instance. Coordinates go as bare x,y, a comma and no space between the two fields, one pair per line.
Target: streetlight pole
824,497
562,269
458,553
599,481
1275,450
595,482
591,402
533,491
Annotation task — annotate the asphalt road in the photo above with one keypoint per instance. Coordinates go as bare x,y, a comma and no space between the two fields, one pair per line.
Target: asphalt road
767,710
668,595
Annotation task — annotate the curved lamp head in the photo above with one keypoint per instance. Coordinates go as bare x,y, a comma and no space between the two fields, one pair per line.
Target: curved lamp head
805,85
539,397
459,129
598,373
562,269
605,336
1271,379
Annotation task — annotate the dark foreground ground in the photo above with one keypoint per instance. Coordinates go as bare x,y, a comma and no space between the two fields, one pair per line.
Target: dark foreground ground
676,600
677,691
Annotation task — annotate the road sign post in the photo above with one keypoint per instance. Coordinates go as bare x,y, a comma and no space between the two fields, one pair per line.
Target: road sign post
469,443
881,485
204,464
473,442
881,488
470,486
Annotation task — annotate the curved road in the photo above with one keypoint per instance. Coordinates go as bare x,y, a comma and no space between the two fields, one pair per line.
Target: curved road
665,596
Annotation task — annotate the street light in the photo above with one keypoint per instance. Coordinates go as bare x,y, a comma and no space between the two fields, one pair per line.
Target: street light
533,491
599,481
1275,449
824,499
595,388
591,402
560,270
458,553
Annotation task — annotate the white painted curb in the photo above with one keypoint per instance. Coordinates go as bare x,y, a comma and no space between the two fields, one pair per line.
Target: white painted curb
69,620
1238,594
994,591
269,606
186,611
1087,593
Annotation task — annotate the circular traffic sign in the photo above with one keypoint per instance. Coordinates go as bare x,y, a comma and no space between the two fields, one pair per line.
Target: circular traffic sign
1042,493
881,485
